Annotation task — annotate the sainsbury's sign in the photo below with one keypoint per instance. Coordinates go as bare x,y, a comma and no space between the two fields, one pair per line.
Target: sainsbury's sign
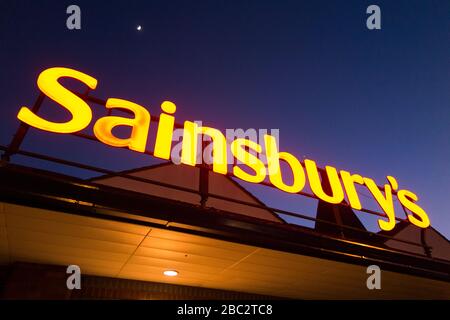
342,184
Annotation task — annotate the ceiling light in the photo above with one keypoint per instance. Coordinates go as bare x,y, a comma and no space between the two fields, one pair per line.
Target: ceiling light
171,273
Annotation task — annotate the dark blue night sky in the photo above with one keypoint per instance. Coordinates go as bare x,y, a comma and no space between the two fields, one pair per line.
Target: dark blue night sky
371,102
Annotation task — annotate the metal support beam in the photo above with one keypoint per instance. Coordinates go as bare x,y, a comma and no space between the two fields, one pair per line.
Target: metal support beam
21,132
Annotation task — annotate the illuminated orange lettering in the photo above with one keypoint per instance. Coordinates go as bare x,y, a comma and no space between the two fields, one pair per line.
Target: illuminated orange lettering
140,125
386,203
316,186
49,85
241,149
274,170
189,148
349,184
407,199
164,135
237,148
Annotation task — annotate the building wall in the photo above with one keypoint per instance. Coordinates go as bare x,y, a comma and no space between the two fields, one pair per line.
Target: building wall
39,281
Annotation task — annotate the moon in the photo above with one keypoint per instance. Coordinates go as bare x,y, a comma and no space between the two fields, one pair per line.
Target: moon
139,28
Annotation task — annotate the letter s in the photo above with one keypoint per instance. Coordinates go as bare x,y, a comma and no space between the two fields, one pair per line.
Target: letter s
408,199
49,85
238,150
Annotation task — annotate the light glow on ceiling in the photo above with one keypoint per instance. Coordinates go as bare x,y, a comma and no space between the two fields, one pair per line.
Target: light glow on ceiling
171,273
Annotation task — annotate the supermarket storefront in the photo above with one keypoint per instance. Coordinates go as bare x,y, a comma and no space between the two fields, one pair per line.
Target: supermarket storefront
192,231
124,241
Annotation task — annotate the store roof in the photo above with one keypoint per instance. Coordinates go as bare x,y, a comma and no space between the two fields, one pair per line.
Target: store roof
111,231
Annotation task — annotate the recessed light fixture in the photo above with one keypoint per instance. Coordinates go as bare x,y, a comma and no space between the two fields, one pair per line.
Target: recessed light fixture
171,273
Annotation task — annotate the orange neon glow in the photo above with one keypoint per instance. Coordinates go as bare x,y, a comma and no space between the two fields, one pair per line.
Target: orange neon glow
274,170
189,148
140,125
408,199
349,184
49,85
250,160
316,185
241,149
385,202
164,135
